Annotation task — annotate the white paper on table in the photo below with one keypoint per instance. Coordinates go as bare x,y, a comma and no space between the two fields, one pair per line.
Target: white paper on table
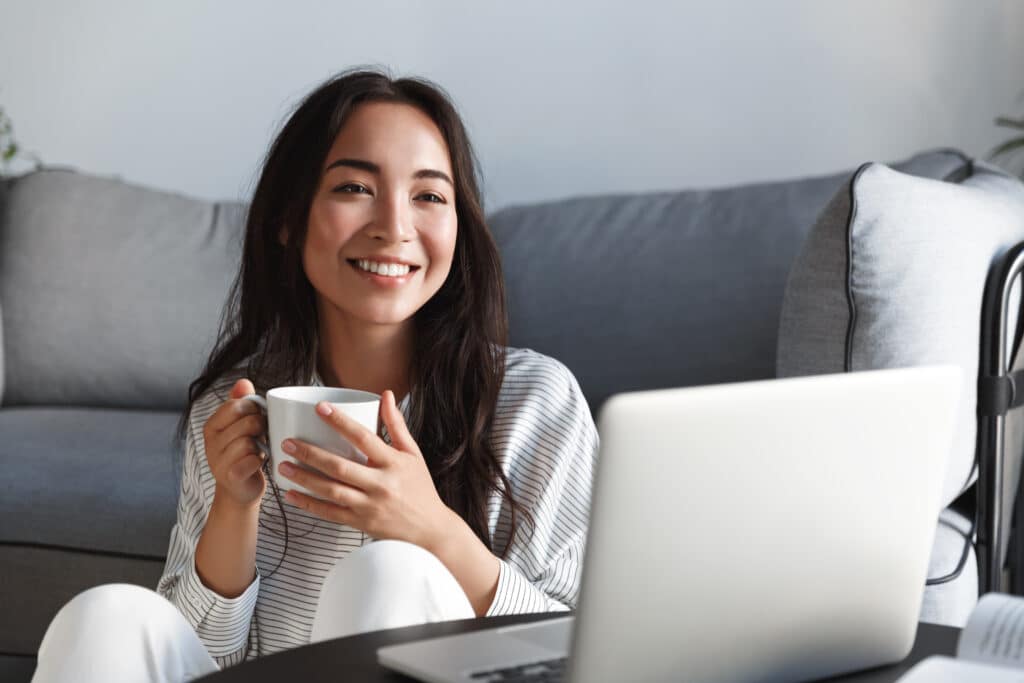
940,669
994,633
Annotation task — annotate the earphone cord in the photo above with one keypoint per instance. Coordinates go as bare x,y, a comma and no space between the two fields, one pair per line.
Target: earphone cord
946,578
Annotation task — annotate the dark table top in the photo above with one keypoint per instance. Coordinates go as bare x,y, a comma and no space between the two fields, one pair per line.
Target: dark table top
355,658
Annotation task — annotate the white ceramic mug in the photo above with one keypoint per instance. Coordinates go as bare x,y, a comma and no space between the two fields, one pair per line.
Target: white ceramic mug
291,414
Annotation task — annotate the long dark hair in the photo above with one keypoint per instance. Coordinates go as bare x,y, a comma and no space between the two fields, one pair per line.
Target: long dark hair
268,330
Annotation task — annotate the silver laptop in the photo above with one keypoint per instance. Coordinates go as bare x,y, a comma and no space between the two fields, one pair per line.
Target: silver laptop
769,531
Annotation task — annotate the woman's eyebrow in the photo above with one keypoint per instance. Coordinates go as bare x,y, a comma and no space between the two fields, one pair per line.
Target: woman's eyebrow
362,165
371,167
431,173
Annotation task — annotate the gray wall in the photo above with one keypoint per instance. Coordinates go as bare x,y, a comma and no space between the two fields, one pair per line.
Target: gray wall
561,97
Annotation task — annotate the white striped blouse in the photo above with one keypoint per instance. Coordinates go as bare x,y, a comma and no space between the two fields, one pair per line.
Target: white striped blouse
546,442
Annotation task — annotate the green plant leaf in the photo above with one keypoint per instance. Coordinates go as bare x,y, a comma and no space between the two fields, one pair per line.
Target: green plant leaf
1010,123
11,150
1008,146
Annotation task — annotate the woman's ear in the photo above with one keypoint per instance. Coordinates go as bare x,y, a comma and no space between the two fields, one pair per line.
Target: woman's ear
282,236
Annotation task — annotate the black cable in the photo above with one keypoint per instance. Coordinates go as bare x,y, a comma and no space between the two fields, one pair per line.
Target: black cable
946,578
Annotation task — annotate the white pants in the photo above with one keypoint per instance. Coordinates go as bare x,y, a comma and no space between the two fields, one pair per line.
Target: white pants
121,632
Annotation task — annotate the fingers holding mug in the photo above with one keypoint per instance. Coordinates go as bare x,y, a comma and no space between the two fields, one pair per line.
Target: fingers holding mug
254,425
232,444
242,388
245,468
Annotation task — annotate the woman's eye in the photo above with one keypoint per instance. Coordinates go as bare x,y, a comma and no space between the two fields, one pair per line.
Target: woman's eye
351,188
431,197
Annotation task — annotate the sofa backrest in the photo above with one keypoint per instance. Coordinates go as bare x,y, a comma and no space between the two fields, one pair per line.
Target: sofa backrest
666,289
110,293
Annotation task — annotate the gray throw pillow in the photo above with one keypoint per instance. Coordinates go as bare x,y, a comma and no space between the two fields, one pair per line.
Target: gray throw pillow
893,275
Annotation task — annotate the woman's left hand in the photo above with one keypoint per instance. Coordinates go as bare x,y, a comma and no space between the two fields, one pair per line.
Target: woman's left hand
391,497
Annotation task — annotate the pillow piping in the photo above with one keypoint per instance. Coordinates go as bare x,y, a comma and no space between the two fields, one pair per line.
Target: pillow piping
851,322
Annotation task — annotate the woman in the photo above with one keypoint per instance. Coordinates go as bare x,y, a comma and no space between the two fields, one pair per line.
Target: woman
367,264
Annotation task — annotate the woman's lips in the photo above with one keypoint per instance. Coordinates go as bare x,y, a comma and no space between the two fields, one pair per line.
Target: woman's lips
384,280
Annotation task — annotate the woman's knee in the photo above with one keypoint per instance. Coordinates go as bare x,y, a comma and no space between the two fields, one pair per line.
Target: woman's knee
111,608
387,584
397,572
120,632
116,599
387,557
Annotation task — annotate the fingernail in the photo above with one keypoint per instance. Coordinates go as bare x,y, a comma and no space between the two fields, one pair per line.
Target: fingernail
323,408
288,446
286,468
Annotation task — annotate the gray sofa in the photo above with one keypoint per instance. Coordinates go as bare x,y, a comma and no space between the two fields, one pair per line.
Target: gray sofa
110,295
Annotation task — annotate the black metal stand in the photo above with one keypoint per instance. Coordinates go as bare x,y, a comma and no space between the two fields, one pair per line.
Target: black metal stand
998,393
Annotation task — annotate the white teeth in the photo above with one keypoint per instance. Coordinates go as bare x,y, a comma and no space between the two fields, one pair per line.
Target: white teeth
386,269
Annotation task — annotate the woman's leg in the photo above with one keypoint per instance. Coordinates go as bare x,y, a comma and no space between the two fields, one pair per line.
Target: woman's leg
121,632
387,584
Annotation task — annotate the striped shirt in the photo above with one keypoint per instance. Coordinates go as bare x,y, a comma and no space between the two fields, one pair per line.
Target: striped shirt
546,443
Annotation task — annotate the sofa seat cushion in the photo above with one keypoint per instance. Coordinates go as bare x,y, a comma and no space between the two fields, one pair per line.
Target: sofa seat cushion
81,478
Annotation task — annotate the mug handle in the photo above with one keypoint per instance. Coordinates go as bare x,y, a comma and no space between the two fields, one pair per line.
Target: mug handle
262,403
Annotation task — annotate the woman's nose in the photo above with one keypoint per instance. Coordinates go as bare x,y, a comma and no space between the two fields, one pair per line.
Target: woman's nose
392,221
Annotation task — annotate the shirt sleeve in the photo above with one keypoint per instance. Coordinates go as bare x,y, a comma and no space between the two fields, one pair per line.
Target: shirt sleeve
222,624
546,437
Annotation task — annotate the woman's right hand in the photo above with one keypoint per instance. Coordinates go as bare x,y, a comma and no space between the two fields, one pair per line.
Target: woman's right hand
231,452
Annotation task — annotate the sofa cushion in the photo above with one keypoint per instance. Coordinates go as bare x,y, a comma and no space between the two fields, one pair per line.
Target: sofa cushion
893,275
664,289
111,293
38,581
17,668
100,480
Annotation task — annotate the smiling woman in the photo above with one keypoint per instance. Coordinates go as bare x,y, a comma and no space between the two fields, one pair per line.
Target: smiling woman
367,264
385,198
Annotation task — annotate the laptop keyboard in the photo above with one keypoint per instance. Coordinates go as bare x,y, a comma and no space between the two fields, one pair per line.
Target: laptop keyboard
551,670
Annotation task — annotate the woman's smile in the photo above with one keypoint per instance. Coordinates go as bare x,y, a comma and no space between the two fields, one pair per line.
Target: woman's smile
387,275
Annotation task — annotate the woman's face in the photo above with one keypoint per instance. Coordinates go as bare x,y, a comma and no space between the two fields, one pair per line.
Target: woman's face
385,203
